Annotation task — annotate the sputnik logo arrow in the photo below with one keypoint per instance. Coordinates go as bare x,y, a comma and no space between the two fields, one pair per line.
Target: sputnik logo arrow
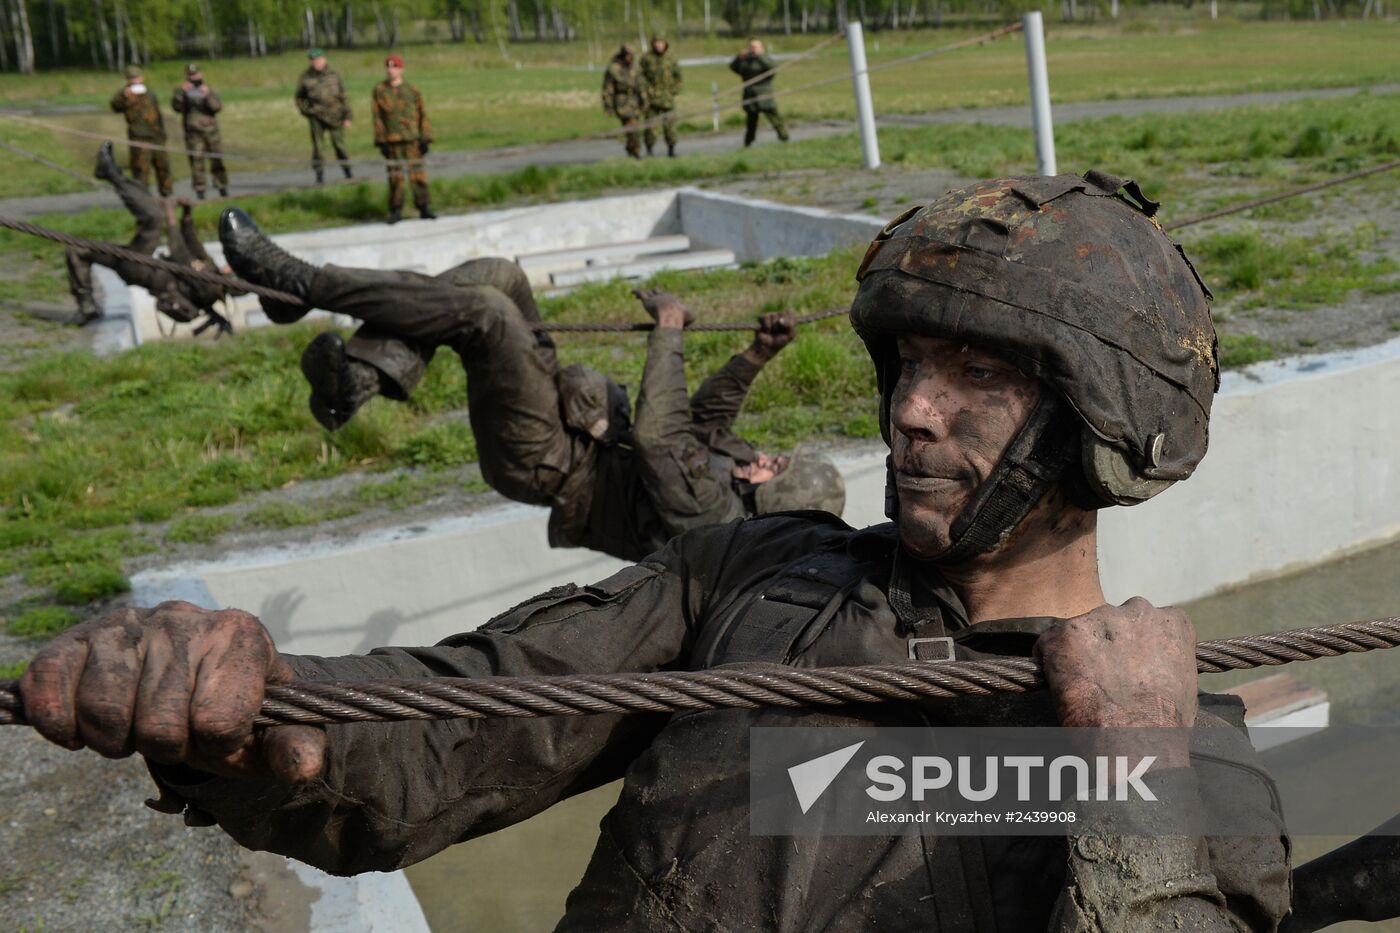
811,778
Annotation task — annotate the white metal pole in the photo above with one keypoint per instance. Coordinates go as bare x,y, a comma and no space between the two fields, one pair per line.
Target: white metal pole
1040,93
714,97
865,109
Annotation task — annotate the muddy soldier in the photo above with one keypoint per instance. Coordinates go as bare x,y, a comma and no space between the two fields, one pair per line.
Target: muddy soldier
750,65
321,99
144,124
181,299
1042,350
661,80
625,97
200,105
403,134
616,483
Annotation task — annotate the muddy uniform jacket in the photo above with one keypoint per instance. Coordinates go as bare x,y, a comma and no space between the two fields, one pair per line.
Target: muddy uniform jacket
321,96
676,853
624,96
748,68
143,117
199,106
661,78
399,116
672,473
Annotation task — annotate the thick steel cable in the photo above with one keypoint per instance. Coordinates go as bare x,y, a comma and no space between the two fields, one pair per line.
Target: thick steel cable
1284,196
324,702
234,283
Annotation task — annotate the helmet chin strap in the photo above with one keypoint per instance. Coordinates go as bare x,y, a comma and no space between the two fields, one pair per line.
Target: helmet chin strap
1034,461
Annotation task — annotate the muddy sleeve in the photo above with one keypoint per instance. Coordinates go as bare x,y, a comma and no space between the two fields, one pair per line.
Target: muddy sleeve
675,467
393,794
1125,875
716,403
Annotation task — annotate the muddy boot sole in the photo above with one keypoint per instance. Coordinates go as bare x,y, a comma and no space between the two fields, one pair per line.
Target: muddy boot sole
327,369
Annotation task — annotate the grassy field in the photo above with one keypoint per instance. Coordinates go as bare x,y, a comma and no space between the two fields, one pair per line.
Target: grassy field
105,458
477,98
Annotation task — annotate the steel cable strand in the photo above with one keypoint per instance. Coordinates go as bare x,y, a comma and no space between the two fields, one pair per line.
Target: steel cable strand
330,701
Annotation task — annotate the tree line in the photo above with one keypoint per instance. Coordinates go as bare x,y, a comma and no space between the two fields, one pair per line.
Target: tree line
112,34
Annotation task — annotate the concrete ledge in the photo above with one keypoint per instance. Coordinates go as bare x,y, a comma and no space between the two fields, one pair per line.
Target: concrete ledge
646,267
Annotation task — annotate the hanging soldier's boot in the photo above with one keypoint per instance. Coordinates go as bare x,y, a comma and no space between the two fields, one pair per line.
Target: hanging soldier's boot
259,260
87,312
107,167
339,385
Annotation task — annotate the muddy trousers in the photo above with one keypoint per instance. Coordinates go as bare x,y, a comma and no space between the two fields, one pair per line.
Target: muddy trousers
751,124
142,160
337,134
481,309
206,146
412,154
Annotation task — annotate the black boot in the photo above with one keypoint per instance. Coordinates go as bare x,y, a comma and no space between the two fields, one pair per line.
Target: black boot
223,191
259,260
427,212
671,150
199,193
320,177
649,152
394,217
346,170
107,167
87,312
339,385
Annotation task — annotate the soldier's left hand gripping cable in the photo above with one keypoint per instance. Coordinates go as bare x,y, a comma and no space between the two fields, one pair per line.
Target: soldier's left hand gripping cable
181,299
617,481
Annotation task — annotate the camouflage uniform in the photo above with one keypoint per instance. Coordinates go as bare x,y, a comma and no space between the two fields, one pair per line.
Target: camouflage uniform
145,124
756,99
321,99
401,126
199,105
625,489
179,298
625,97
661,79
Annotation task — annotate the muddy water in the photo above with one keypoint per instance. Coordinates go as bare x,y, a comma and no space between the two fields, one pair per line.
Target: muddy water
517,879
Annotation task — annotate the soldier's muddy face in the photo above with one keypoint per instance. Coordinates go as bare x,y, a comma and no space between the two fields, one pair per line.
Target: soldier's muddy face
954,410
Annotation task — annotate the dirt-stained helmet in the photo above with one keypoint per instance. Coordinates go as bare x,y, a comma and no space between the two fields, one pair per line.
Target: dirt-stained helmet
811,481
1074,281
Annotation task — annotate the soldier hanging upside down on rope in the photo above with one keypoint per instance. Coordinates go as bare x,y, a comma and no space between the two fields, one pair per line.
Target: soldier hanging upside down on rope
182,299
1042,350
545,436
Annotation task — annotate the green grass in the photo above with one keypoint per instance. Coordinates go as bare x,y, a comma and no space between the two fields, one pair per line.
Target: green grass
104,458
478,99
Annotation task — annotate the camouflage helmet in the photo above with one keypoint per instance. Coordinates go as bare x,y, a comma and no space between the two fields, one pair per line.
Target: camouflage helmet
811,481
1074,281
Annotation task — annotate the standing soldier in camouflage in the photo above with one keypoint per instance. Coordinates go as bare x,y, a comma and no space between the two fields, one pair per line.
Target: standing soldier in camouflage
758,99
200,105
661,79
144,124
321,99
403,134
625,96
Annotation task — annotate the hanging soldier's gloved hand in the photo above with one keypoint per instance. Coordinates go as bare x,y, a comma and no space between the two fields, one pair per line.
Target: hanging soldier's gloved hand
776,330
178,684
660,304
